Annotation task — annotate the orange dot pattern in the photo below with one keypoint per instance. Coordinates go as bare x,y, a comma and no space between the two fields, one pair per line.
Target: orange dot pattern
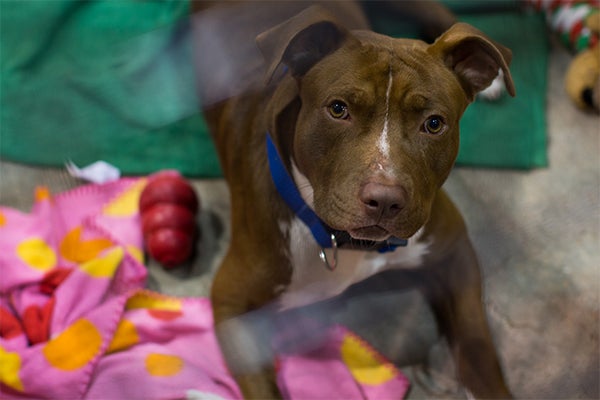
104,329
75,347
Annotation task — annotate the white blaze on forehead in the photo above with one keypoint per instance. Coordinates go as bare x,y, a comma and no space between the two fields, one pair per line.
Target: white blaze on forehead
384,144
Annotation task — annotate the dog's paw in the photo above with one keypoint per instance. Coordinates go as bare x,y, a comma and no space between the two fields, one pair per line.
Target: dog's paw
495,90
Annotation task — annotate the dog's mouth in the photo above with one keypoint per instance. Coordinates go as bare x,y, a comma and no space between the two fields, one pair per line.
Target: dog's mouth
374,232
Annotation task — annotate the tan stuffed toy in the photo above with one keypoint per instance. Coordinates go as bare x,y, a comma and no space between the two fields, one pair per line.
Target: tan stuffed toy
582,80
577,25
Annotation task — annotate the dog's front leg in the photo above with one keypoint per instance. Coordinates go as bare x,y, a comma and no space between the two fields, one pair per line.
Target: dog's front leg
249,356
457,302
243,329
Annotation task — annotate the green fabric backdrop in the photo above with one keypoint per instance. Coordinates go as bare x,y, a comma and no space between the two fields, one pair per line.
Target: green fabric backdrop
113,80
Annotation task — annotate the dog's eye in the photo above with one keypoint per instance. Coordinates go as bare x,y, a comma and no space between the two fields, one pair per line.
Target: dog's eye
434,125
338,110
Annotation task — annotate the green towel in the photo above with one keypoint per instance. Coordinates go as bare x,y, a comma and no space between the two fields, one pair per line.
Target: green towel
512,132
110,80
113,80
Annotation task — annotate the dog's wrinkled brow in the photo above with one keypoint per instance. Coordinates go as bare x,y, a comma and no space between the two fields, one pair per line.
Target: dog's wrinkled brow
417,101
354,95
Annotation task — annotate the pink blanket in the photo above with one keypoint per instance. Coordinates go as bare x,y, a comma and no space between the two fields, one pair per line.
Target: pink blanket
75,321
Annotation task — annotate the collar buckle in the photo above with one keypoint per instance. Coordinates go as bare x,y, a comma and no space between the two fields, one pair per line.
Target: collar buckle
330,265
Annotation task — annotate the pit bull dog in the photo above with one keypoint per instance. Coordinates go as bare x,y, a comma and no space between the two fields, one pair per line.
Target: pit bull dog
335,162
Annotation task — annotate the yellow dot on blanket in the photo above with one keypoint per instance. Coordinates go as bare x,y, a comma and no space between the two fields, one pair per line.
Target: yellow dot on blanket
36,253
126,204
2,219
153,301
163,365
104,267
363,363
136,253
10,365
125,336
75,347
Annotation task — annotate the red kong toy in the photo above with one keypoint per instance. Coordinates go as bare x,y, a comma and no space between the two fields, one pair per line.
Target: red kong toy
168,207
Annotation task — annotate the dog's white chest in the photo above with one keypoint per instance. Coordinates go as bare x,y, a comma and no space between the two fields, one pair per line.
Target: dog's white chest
312,281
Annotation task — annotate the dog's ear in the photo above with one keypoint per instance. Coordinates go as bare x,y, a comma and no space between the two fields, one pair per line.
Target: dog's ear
301,41
473,57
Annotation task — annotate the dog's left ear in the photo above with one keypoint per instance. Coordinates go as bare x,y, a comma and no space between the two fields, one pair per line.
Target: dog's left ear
301,41
473,57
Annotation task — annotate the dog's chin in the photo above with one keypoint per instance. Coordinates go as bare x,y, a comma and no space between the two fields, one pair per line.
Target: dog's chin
374,232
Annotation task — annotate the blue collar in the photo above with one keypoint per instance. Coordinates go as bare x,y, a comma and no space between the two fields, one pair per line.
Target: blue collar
324,235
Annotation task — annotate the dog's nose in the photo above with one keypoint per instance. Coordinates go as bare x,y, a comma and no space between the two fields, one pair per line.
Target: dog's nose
382,201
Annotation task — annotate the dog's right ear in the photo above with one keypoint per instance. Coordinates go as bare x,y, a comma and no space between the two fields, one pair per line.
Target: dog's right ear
300,42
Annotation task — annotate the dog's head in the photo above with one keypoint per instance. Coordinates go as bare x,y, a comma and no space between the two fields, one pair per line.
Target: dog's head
370,124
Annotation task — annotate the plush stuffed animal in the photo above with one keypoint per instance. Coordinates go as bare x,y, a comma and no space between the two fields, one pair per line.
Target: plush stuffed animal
582,80
577,24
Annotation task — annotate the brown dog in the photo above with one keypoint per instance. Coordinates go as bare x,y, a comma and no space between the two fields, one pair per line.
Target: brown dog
335,169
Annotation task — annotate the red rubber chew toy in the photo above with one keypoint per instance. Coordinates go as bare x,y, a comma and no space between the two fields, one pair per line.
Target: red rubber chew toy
168,207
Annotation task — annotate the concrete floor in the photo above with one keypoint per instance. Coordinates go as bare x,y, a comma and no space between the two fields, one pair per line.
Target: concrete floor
537,235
